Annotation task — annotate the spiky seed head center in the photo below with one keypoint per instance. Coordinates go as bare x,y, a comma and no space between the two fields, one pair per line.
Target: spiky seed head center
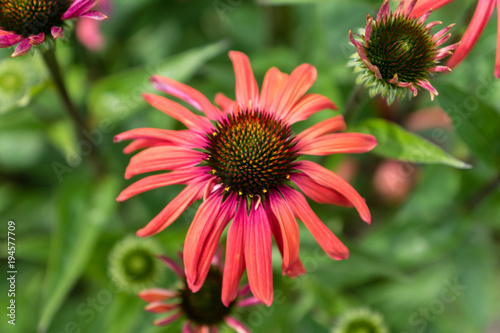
401,45
32,17
205,306
251,153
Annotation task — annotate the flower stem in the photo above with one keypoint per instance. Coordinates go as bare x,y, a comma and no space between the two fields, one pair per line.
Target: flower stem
50,59
79,123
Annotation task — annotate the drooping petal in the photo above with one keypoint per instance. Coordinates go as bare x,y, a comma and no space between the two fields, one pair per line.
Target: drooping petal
144,143
174,267
162,158
168,320
334,124
317,192
307,106
164,179
289,229
157,294
481,17
250,301
332,246
273,83
329,179
235,256
297,84
94,15
174,209
258,256
160,307
8,39
337,143
236,325
203,236
177,111
185,138
23,48
78,8
497,62
295,269
56,32
247,90
188,94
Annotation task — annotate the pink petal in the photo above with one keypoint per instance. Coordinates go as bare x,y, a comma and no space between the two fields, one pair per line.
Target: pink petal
258,255
236,325
144,143
89,34
337,143
250,301
174,209
223,101
427,85
56,32
297,84
23,48
423,6
185,138
383,11
334,124
235,260
325,238
37,39
307,106
274,81
247,90
289,229
295,269
78,8
481,17
497,62
163,158
203,236
317,192
327,178
94,15
177,111
168,320
160,307
187,328
8,39
368,30
188,94
164,179
174,267
156,294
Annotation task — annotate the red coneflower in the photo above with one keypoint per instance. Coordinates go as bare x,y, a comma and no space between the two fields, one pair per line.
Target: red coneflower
243,159
28,22
482,14
397,53
203,310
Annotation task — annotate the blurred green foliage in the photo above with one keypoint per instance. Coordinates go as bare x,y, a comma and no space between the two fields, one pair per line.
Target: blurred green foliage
428,263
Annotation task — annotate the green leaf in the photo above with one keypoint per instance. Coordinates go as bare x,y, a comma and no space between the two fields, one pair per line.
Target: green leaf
475,121
116,97
397,143
84,208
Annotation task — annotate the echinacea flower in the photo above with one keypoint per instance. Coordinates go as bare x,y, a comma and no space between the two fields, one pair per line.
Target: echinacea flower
203,311
482,14
243,160
28,22
360,321
397,53
133,265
